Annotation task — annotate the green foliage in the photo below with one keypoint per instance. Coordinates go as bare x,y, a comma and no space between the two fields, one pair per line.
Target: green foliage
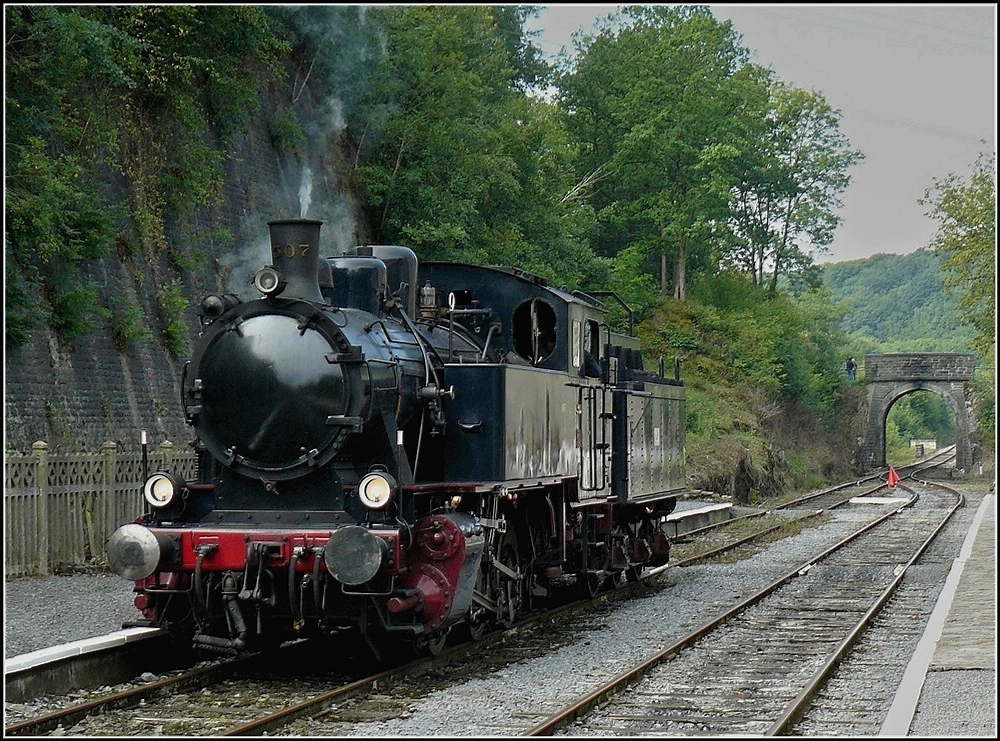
701,413
197,79
966,239
131,325
793,171
774,348
462,165
335,49
286,132
636,286
664,147
188,251
438,155
198,66
55,223
984,388
897,445
151,94
530,71
924,416
18,318
918,416
700,159
173,304
75,309
59,67
654,99
897,303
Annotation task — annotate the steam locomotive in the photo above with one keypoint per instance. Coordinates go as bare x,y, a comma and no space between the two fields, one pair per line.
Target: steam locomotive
401,451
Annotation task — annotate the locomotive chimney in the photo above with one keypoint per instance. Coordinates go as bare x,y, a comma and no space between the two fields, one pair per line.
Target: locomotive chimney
295,255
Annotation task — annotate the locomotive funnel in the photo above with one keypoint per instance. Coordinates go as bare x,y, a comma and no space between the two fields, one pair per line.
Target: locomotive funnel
295,255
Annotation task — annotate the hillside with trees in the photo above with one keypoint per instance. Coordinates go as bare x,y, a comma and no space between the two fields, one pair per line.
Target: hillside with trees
147,146
898,303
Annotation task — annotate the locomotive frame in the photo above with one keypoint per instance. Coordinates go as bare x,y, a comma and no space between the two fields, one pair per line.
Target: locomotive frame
402,449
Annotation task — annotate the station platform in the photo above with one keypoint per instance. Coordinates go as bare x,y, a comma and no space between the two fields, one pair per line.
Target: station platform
694,518
949,687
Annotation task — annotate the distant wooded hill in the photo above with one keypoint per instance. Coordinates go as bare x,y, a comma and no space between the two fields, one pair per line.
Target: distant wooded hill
897,303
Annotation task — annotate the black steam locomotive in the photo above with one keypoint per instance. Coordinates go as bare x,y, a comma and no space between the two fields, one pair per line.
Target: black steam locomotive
401,451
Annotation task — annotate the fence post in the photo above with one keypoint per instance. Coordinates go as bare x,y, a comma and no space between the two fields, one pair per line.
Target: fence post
109,450
166,455
40,452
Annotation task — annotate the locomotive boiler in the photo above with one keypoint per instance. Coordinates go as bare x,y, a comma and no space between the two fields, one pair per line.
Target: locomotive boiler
401,449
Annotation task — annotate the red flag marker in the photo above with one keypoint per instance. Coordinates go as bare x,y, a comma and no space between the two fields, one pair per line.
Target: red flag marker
893,477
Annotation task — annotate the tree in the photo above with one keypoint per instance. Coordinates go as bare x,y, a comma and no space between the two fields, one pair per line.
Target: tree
459,163
434,154
655,99
789,186
966,237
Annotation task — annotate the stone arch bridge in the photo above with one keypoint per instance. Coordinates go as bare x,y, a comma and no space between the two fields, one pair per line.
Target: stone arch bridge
890,377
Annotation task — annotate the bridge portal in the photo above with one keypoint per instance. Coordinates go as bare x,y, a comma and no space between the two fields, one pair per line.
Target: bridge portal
889,377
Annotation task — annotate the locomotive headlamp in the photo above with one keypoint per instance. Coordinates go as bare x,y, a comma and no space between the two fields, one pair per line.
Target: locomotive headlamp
161,489
269,281
376,490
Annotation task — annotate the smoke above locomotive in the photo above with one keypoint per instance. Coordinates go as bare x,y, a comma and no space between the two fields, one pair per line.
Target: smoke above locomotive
401,449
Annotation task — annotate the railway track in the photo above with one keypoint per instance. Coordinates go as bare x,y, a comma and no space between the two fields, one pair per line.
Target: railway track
786,516
812,646
255,694
756,668
235,708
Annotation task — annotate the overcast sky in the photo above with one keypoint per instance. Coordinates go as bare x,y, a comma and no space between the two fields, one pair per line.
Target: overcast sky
915,85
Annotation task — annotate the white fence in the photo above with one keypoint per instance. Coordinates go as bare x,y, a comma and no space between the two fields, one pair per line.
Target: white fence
60,509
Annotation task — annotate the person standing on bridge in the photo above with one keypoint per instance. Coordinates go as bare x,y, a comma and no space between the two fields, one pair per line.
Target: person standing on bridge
852,369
